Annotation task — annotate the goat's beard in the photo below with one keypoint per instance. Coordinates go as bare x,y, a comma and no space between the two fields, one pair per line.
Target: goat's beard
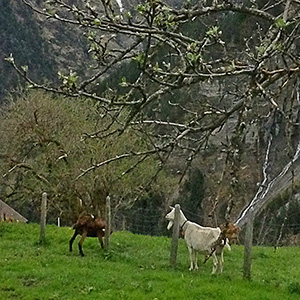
170,224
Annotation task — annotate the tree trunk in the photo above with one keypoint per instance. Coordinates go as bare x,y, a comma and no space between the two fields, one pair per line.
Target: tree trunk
248,247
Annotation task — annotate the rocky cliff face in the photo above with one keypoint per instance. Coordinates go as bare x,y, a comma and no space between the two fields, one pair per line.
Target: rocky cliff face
21,34
44,46
232,161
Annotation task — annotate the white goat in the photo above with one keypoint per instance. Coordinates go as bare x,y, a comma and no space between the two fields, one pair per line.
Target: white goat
200,239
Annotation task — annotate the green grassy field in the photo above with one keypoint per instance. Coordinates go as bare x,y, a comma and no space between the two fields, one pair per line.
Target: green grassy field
136,267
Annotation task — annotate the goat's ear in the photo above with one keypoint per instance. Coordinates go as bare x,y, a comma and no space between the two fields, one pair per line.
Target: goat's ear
171,207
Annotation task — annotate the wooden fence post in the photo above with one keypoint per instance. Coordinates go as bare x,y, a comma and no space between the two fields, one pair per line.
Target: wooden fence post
43,218
175,237
248,247
108,223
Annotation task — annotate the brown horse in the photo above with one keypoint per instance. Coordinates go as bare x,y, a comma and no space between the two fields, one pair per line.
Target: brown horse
88,226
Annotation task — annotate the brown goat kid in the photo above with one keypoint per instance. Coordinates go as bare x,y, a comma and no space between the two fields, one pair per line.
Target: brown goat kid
88,226
231,232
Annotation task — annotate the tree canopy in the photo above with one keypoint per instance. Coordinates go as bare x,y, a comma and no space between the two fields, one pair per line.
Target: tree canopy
44,149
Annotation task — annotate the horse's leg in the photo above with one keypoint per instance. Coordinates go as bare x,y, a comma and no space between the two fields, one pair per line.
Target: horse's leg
72,240
100,238
83,236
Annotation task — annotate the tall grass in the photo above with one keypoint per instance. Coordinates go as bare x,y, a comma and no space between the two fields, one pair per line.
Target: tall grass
136,267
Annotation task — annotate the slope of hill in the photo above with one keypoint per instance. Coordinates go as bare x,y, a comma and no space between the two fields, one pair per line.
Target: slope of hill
21,35
136,267
36,43
228,173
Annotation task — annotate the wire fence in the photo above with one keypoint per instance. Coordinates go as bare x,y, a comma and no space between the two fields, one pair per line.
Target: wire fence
152,222
148,221
143,221
269,227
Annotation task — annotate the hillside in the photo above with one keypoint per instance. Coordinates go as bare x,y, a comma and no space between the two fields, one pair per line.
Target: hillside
45,47
136,267
21,35
212,100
